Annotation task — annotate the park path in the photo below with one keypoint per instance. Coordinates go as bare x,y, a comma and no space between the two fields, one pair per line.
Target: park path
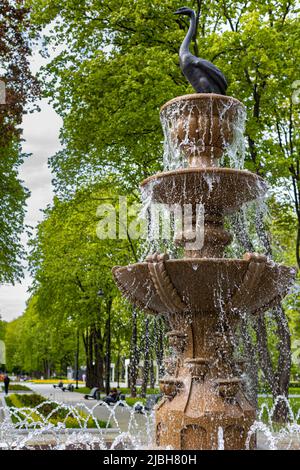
127,420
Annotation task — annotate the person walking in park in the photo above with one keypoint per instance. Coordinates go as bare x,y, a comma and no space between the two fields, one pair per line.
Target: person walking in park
6,381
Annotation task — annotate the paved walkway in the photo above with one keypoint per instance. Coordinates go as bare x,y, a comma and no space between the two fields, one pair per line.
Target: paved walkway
122,417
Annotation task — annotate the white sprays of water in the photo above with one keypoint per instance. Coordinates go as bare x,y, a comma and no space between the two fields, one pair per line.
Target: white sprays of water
220,438
197,125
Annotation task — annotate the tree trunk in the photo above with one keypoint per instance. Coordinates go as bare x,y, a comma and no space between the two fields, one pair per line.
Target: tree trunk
262,233
146,368
152,375
77,359
295,173
108,349
250,384
277,377
118,367
98,355
134,355
93,345
89,357
46,366
159,329
238,222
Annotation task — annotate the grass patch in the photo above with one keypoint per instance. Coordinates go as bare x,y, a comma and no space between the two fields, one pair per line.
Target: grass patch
294,403
55,381
132,401
294,391
150,391
129,400
123,391
83,390
18,388
38,408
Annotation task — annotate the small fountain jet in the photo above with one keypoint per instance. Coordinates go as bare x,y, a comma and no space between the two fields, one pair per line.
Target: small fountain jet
204,76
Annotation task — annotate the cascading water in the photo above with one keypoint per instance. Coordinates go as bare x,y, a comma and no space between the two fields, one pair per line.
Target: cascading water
199,117
25,433
27,428
205,294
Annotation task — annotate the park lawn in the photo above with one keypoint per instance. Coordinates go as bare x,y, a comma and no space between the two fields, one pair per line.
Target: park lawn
150,391
28,412
84,390
18,388
124,391
294,402
129,400
55,381
132,401
294,390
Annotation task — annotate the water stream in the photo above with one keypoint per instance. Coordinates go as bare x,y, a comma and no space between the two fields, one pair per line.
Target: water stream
136,431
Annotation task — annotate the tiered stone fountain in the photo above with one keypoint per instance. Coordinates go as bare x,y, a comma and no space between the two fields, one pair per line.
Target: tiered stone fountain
204,293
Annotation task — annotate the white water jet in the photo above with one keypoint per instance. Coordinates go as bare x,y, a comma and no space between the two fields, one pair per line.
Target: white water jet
29,428
234,149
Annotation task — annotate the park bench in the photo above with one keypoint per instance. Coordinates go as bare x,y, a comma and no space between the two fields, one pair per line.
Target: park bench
119,397
94,393
61,387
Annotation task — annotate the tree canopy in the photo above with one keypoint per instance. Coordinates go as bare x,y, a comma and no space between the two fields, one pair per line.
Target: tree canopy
112,125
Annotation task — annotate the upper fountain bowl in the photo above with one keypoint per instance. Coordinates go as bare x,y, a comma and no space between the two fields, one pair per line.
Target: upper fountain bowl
220,190
202,126
204,285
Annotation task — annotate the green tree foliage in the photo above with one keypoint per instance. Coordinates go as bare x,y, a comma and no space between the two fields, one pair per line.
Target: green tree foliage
113,124
136,44
2,329
14,358
36,344
71,264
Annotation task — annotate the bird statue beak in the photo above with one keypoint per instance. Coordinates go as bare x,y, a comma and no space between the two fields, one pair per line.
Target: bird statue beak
177,12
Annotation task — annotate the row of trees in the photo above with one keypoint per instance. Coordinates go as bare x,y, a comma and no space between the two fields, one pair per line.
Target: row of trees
74,298
119,65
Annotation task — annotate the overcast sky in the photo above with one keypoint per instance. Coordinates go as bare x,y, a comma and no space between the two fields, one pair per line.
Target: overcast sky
41,134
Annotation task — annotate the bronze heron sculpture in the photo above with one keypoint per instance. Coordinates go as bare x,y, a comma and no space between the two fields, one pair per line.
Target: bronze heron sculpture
204,76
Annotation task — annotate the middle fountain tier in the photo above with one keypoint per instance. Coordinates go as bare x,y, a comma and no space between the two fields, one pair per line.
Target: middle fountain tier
203,294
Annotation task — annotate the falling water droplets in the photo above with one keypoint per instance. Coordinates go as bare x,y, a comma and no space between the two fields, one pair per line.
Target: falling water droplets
199,116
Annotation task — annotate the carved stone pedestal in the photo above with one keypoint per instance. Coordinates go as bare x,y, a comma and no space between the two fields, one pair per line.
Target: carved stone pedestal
193,418
204,406
203,401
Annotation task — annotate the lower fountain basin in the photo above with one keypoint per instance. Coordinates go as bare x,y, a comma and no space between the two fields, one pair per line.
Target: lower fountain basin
219,189
206,285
